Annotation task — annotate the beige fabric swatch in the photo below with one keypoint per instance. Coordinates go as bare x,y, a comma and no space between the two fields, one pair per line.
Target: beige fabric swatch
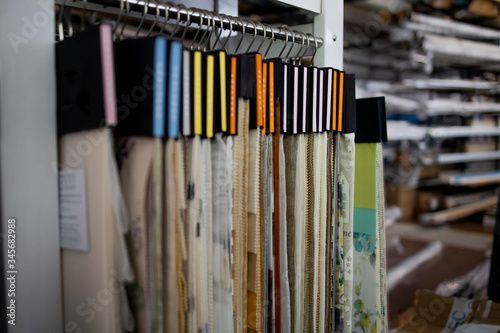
140,178
221,194
196,318
285,286
322,154
227,310
290,148
240,201
206,278
255,269
93,282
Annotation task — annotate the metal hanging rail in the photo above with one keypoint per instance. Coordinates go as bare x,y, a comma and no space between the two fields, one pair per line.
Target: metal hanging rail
196,16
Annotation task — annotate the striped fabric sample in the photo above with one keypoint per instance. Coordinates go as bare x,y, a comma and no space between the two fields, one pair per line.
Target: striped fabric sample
240,202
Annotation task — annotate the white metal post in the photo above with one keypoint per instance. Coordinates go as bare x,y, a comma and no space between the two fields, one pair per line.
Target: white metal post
329,24
28,149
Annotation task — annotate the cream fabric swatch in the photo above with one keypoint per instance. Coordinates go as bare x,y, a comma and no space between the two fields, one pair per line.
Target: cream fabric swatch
93,282
255,268
206,277
290,148
228,257
240,202
321,298
170,289
285,286
196,319
221,195
140,173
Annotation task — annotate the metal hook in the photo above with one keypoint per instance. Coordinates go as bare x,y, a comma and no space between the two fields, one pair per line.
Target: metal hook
166,8
307,48
254,34
118,19
212,27
272,40
315,49
84,12
188,23
285,45
69,23
202,40
301,47
178,20
264,32
293,41
144,13
220,30
59,24
156,19
197,32
230,19
126,19
242,33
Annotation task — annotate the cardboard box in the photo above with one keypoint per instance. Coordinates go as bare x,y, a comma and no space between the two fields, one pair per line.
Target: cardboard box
428,201
433,313
405,198
485,8
430,313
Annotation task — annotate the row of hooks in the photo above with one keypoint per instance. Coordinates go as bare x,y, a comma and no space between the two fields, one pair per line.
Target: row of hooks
187,16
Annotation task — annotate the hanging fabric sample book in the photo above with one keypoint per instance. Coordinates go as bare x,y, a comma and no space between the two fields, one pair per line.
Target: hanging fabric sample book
369,297
94,220
139,137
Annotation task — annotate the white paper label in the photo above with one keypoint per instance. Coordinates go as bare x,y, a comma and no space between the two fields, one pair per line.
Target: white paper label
73,210
460,310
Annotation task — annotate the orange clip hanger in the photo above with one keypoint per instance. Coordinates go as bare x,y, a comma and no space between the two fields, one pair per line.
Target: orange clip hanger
341,102
232,96
272,121
259,93
264,98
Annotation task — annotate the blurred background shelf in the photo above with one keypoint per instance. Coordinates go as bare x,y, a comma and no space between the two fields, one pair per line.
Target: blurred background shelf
451,158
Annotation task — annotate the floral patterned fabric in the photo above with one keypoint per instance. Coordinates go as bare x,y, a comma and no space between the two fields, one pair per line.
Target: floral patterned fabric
369,300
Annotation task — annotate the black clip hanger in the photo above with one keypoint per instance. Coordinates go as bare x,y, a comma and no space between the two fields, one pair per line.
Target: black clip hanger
350,103
86,81
371,124
141,67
